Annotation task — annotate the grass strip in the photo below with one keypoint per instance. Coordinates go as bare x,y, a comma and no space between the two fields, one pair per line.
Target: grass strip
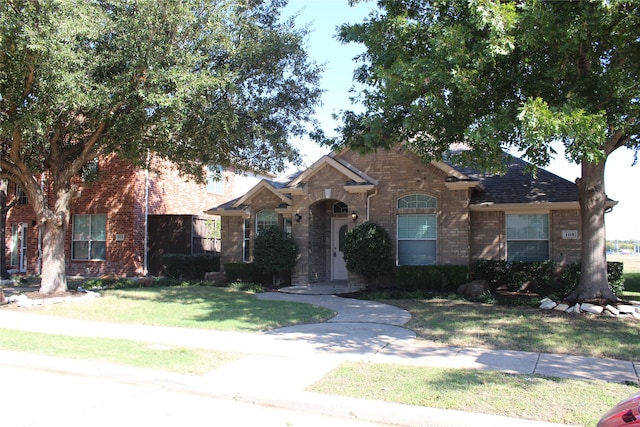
534,397
192,307
180,360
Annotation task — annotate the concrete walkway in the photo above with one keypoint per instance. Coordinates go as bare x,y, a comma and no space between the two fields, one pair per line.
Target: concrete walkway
278,365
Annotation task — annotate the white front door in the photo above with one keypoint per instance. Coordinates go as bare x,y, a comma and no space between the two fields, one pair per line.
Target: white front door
339,227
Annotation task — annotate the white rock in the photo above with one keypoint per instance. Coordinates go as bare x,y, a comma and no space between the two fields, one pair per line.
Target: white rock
576,309
561,307
626,309
547,305
591,308
611,309
545,300
636,315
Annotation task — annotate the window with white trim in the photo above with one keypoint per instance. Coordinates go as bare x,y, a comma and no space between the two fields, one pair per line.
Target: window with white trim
89,237
246,241
215,179
266,219
21,195
416,230
527,237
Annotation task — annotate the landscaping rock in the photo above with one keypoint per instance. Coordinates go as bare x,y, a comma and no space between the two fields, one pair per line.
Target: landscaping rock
576,309
3,300
611,309
547,304
591,308
561,307
214,276
626,309
473,289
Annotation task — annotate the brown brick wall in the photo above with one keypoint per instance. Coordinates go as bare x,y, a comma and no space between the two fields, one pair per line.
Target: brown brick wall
564,250
462,235
489,240
120,193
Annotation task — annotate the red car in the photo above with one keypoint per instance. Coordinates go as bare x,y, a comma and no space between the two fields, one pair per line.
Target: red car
624,414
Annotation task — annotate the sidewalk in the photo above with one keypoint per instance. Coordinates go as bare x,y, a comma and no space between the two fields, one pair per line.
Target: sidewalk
279,364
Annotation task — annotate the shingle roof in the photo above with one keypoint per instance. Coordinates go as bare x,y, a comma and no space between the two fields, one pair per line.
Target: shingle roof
518,186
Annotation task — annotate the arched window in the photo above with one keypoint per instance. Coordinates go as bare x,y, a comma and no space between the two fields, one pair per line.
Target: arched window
416,230
417,201
266,219
340,208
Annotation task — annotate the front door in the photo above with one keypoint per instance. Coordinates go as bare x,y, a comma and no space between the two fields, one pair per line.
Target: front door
339,227
19,246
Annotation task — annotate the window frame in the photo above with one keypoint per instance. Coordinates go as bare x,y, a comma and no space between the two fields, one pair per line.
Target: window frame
214,185
543,236
263,225
422,207
91,239
21,196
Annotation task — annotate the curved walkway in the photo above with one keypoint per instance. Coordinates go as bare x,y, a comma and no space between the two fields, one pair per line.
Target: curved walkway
280,364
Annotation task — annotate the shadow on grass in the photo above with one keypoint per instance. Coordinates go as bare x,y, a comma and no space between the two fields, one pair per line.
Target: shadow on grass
218,308
466,324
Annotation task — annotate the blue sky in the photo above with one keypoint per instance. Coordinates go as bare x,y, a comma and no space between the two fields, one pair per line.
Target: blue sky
323,16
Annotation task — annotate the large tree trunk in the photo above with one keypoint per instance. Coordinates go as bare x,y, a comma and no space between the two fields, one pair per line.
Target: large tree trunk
3,230
593,282
54,226
54,275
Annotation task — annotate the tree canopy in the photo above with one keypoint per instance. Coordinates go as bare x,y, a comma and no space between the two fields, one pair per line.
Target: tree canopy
222,82
493,75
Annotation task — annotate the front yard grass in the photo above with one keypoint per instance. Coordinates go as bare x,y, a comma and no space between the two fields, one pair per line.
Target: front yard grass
460,323
557,400
202,307
192,361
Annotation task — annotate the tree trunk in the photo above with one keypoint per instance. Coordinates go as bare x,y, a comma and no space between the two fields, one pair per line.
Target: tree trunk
593,282
3,230
54,276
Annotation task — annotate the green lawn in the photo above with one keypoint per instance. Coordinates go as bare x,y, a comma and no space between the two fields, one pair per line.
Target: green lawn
566,401
181,360
451,322
201,307
465,324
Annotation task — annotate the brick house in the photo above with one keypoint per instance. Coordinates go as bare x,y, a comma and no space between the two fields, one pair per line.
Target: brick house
436,213
108,231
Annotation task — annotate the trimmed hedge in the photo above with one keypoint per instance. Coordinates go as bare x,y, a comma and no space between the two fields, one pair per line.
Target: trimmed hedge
432,278
245,272
191,267
539,277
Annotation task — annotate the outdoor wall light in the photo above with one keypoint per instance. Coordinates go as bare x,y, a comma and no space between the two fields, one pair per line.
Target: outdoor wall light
354,216
298,217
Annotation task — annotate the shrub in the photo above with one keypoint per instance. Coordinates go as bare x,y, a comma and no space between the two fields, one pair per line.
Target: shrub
245,272
539,277
432,278
184,266
367,250
274,252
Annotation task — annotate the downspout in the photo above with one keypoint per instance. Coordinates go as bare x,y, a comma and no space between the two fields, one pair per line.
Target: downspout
375,193
145,269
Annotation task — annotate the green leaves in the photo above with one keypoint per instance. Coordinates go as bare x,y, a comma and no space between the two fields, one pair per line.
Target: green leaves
196,82
498,75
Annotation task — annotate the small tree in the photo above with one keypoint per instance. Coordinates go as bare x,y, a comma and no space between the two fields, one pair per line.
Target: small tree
274,252
367,250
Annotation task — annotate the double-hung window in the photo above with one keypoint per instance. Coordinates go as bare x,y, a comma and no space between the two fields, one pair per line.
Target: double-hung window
416,230
89,237
215,179
527,237
266,219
